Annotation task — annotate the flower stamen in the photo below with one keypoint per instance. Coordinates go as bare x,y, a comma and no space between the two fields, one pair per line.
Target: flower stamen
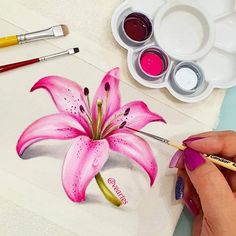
99,119
109,125
88,118
86,94
82,109
127,112
107,89
123,124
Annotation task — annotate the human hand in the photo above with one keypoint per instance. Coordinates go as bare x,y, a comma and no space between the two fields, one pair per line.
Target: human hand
209,191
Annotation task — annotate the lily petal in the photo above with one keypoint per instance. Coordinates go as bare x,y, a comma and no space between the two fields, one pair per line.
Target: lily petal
84,160
137,149
58,126
138,116
113,101
67,95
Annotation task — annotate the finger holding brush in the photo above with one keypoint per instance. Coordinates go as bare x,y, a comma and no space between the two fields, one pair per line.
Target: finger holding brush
207,191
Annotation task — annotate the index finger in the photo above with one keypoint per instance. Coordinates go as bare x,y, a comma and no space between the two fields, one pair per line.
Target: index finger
223,144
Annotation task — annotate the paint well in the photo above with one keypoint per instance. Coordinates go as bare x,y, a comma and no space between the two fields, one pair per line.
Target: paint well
186,79
182,32
151,63
137,27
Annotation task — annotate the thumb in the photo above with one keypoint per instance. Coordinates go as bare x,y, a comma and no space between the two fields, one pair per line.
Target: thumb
214,192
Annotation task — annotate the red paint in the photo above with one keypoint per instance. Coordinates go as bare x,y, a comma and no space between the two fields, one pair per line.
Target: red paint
152,63
138,27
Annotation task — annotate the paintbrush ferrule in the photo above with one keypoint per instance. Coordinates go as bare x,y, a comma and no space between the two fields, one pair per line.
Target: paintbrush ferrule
67,52
55,31
44,58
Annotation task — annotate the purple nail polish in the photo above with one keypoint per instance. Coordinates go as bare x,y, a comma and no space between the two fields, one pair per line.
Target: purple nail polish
190,140
193,159
189,203
179,188
175,159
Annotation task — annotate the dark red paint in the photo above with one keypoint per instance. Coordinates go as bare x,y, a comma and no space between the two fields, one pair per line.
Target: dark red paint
137,27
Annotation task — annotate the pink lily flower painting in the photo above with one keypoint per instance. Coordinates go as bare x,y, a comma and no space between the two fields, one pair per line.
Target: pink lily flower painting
96,127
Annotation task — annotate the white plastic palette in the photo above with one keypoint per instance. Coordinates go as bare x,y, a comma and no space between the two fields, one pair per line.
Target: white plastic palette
187,31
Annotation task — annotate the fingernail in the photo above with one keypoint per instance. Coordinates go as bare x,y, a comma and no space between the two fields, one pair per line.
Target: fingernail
179,188
175,159
190,140
193,159
191,206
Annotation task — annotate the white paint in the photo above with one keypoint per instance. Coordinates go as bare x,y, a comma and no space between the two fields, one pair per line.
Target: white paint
186,78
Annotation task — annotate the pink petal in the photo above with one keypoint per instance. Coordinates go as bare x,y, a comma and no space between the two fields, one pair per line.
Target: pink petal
67,95
57,126
113,103
138,117
84,160
137,149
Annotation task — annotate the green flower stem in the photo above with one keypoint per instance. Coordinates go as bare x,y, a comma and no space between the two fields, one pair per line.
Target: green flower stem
106,191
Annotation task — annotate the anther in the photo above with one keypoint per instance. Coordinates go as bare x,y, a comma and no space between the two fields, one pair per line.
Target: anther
127,112
123,125
86,91
81,108
107,87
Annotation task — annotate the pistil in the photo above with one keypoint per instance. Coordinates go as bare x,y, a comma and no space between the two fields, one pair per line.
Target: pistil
99,119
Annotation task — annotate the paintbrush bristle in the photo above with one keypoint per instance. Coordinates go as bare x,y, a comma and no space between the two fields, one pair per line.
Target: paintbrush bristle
65,29
76,50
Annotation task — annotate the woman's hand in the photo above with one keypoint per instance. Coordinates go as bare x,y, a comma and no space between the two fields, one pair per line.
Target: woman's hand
209,191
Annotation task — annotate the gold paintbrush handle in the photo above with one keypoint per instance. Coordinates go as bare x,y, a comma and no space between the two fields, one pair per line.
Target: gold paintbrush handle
222,162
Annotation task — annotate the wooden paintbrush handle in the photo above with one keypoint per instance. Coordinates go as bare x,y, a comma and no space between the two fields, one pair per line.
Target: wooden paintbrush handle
215,159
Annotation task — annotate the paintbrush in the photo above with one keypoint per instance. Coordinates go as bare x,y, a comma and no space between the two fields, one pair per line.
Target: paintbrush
15,65
215,159
53,32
